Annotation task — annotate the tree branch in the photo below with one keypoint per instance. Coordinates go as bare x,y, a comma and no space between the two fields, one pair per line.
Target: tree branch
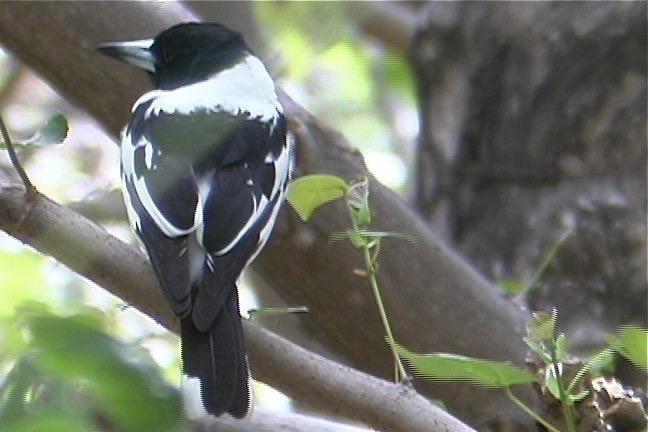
90,251
391,22
273,422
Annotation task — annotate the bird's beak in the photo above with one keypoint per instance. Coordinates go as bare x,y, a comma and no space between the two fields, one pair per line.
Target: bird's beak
136,52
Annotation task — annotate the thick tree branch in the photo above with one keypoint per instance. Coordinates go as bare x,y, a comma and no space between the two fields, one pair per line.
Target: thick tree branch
436,302
90,251
388,21
273,422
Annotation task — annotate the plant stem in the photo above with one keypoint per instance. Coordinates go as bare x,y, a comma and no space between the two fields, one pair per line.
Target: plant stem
401,374
547,260
565,402
29,187
529,411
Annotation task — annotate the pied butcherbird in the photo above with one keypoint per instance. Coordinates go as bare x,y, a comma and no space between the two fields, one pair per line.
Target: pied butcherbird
205,161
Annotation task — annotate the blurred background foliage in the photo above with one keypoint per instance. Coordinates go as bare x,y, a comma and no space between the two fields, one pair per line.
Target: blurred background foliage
352,82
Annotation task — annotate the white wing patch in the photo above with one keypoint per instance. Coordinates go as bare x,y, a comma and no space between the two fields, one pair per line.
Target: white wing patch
133,217
148,155
283,168
267,229
127,155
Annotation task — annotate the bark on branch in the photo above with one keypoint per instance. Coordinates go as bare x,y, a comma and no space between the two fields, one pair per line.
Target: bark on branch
89,250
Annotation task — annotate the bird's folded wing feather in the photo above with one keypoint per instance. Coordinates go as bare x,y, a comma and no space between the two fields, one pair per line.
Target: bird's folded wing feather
212,173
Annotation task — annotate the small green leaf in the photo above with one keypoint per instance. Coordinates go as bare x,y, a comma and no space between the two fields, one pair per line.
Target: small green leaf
561,346
450,367
513,286
357,197
53,131
338,236
356,238
601,362
595,364
387,234
539,348
632,343
369,235
307,193
579,396
542,326
15,390
551,381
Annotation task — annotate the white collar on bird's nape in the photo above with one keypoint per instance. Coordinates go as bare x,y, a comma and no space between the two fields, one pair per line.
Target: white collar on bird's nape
243,89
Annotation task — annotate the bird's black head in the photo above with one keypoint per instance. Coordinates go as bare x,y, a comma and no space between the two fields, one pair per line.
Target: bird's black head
183,54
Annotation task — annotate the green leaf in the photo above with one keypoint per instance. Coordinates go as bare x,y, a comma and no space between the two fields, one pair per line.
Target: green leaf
595,364
387,234
539,348
357,196
579,396
450,367
513,286
356,239
561,346
632,343
551,381
15,390
123,377
53,131
603,361
308,193
363,237
338,236
542,325
22,408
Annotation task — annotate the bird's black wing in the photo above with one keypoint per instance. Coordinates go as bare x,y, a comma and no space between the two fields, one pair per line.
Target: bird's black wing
242,180
242,198
163,205
213,173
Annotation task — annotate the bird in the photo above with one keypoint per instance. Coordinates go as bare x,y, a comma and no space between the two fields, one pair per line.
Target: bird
205,161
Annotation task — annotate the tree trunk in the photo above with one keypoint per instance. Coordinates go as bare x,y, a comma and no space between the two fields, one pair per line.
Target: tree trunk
533,124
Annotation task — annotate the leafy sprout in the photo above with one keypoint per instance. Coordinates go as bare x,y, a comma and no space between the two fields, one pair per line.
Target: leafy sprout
53,131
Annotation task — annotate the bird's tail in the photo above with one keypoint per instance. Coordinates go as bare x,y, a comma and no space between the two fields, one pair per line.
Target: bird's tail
217,358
